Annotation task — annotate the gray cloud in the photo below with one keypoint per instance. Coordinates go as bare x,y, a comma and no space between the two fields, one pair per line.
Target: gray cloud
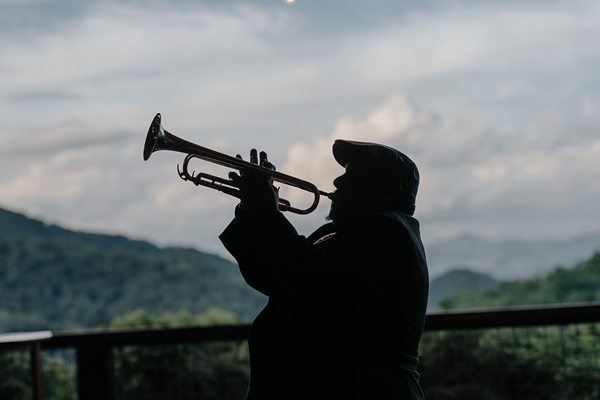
470,183
45,96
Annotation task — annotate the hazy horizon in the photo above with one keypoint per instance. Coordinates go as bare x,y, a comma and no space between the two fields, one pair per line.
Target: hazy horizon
505,260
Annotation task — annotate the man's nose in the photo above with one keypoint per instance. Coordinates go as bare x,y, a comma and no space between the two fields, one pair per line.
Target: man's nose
337,182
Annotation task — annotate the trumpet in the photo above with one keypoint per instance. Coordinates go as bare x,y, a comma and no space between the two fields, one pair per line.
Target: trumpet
160,139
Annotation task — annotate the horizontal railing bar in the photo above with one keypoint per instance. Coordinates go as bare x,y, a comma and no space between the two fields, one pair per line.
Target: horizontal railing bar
148,336
24,337
556,314
22,340
516,316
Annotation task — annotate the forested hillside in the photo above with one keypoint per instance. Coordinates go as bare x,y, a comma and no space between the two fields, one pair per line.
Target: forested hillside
53,278
457,282
578,284
509,259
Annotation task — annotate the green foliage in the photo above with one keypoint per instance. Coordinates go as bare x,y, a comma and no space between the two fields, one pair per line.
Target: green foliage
141,319
52,278
456,282
59,380
212,370
15,375
215,370
579,284
554,363
16,379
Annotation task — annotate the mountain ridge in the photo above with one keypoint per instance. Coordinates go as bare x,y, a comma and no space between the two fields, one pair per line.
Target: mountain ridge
52,277
15,223
55,278
509,259
456,283
503,259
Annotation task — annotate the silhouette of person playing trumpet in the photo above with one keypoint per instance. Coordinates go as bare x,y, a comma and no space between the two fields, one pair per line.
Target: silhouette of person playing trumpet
346,306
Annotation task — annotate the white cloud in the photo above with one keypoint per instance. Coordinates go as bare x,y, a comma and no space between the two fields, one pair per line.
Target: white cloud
590,107
398,122
468,169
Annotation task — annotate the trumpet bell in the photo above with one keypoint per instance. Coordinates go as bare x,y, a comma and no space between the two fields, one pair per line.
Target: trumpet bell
154,132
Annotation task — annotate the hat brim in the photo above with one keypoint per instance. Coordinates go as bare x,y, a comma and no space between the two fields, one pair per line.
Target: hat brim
345,151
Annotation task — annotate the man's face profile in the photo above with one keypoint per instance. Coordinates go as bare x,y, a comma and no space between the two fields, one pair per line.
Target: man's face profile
356,193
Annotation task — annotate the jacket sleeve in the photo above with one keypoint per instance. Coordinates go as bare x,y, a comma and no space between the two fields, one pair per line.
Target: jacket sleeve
252,247
273,258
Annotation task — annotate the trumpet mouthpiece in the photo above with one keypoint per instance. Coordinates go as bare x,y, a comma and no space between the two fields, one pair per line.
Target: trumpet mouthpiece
328,195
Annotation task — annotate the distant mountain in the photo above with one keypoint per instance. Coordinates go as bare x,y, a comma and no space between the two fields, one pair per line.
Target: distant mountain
458,282
580,283
15,224
54,278
509,259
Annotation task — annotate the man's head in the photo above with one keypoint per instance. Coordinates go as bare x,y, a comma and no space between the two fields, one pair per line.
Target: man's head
377,178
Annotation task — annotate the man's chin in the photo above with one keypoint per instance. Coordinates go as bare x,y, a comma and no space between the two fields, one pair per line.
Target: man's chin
330,216
336,214
334,211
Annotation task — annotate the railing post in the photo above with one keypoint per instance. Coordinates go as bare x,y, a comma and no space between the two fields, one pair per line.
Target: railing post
95,372
36,371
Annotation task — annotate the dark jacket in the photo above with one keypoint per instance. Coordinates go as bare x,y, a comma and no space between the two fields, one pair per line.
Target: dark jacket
345,314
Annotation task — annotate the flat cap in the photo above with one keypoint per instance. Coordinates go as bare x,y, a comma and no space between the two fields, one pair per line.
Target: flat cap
387,163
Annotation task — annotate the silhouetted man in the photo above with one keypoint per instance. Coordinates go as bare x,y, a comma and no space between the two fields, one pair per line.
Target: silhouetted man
347,304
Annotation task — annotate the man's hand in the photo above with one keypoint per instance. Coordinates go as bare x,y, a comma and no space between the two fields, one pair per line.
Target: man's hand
258,195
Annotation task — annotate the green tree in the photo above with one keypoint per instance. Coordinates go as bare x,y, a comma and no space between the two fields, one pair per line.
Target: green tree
578,284
15,375
212,370
549,363
60,382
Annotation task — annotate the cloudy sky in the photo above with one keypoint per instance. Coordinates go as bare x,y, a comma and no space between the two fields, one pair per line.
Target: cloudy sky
497,102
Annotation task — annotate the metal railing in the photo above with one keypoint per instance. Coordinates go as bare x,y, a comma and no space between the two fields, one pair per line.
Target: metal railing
95,362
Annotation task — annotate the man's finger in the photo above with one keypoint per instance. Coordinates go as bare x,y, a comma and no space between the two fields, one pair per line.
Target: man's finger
265,162
254,156
263,159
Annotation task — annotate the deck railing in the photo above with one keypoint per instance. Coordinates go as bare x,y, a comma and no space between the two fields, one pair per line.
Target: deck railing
94,350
